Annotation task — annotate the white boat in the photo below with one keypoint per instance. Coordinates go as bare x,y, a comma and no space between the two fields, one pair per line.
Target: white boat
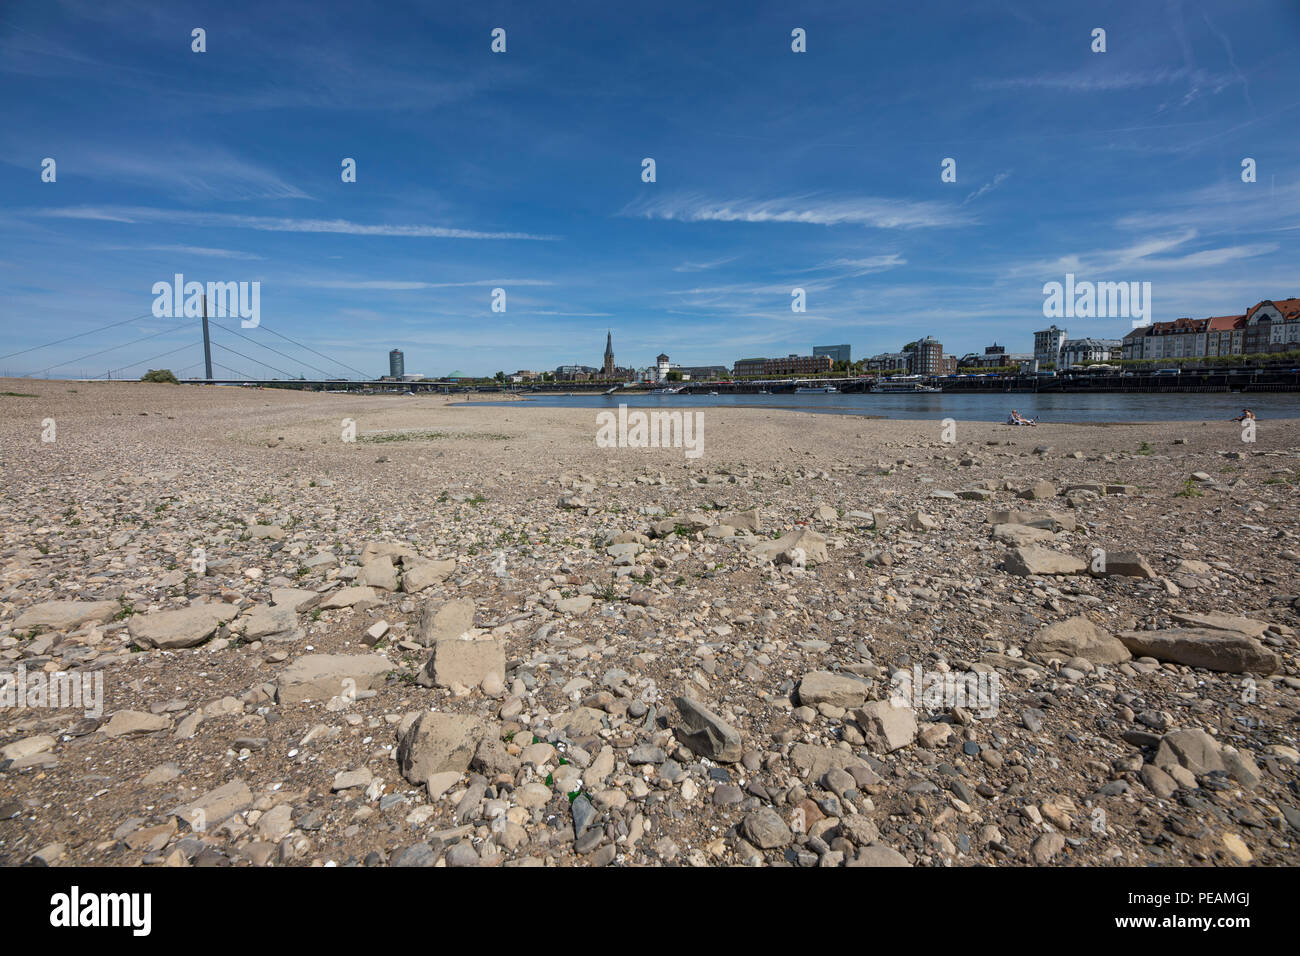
913,384
817,390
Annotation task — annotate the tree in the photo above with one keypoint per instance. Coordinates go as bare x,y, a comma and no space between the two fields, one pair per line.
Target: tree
159,375
674,376
500,376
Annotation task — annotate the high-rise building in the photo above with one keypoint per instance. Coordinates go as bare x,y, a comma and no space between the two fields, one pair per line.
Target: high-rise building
1047,345
838,353
608,369
925,356
396,364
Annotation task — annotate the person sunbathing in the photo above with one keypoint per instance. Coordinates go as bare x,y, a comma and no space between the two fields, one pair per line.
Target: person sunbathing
1016,419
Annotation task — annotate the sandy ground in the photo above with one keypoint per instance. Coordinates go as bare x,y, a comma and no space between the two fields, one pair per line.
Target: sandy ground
782,581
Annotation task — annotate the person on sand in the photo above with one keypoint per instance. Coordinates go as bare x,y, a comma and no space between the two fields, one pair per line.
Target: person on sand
1246,414
1016,419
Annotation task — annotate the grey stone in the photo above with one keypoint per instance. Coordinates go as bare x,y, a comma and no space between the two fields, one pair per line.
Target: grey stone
437,743
1077,637
64,615
710,736
1033,560
823,687
323,676
765,829
1226,651
170,630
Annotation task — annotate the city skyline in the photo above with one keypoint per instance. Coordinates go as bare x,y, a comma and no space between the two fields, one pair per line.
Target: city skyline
522,171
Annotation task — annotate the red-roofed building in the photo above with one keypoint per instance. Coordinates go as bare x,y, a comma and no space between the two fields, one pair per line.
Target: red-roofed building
1225,335
1181,338
1273,326
1269,326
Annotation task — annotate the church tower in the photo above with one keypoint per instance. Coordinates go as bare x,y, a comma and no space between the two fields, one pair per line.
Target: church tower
609,354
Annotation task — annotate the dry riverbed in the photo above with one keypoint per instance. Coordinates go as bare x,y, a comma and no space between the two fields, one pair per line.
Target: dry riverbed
473,637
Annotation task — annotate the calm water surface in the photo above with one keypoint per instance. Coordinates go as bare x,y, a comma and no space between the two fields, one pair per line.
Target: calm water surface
1161,407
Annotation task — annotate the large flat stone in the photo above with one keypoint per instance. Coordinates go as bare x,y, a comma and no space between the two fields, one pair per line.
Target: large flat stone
1124,564
887,727
812,542
1020,535
27,747
267,621
402,553
1226,651
814,761
361,598
467,662
1048,520
215,805
169,630
823,687
1077,637
1194,749
296,599
126,722
380,572
439,743
323,676
443,620
63,615
878,854
1031,559
1217,621
420,574
743,521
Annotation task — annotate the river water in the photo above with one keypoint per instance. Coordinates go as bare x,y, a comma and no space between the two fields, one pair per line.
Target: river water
985,407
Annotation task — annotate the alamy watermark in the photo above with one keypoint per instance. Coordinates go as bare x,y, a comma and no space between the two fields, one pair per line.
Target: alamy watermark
181,299
75,909
1097,300
59,690
942,690
674,429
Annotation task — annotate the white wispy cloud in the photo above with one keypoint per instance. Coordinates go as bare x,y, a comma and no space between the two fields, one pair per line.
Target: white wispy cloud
401,285
209,173
577,315
188,251
704,266
988,187
1102,80
137,214
846,268
1151,254
1224,207
873,211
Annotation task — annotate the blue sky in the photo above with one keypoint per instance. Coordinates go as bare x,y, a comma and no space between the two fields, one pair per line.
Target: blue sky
522,170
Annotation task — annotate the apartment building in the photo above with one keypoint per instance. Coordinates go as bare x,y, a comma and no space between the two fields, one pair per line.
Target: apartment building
1268,326
1047,345
1086,350
790,365
925,357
